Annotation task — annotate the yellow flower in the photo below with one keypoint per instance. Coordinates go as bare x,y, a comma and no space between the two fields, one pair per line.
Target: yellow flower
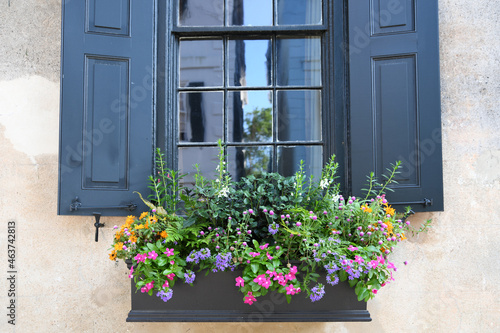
164,234
139,226
130,219
119,246
389,210
366,209
133,239
403,237
112,255
153,219
143,215
118,235
389,226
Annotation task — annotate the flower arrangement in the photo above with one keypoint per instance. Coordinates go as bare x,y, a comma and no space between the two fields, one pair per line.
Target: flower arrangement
280,232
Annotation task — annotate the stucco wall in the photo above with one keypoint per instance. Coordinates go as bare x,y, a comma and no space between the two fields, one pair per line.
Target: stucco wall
66,283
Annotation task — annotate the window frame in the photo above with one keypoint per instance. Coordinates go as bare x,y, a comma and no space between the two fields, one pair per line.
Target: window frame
334,97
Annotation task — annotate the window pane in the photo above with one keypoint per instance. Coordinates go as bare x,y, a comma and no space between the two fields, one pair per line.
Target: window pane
289,160
299,61
201,12
299,12
250,12
249,116
201,116
249,63
206,158
244,161
299,115
201,62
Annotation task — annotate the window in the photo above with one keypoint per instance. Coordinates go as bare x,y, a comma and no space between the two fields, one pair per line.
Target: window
278,81
259,91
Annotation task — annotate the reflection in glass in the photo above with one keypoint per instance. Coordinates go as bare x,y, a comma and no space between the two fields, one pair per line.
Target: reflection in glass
299,12
206,158
289,160
200,61
249,116
250,12
249,62
244,161
299,61
299,115
200,116
201,12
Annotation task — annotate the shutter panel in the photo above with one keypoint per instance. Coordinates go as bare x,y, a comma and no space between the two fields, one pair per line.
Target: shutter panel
106,134
395,111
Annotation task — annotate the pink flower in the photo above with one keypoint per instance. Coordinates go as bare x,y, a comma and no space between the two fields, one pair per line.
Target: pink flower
172,262
374,263
254,254
165,285
381,260
260,279
266,284
147,287
152,255
169,252
171,276
249,299
352,248
374,291
140,257
391,265
263,247
131,275
269,256
293,270
359,260
291,290
240,282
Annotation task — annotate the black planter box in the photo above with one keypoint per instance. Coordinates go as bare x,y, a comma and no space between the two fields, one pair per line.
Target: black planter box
215,298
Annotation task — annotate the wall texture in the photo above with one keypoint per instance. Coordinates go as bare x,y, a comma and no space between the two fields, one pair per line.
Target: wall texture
66,282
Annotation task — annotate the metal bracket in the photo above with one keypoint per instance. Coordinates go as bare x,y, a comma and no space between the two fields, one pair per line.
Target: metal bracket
97,225
425,202
76,205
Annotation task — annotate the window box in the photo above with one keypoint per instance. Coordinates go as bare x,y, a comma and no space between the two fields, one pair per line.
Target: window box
214,298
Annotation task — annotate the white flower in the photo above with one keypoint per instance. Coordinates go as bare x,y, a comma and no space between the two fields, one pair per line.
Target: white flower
223,192
324,183
336,198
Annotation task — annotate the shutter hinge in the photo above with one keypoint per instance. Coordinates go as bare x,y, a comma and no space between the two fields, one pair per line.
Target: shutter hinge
97,225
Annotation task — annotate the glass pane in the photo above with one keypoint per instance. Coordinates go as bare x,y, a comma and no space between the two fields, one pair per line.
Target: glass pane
244,161
201,12
299,61
289,160
299,115
250,12
206,158
249,63
201,116
249,116
299,12
200,62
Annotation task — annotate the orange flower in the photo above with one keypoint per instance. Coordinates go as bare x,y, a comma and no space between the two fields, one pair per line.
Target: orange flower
153,219
389,210
119,246
389,226
112,255
143,215
403,237
366,209
164,234
133,239
118,235
139,226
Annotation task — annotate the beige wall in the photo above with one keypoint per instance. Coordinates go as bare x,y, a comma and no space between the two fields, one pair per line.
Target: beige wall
66,283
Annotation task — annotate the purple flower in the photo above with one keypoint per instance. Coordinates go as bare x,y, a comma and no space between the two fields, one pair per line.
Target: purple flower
193,257
273,228
204,254
334,281
317,293
189,276
223,261
165,296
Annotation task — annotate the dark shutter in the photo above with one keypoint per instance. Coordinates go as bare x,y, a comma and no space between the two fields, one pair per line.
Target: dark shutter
106,135
395,98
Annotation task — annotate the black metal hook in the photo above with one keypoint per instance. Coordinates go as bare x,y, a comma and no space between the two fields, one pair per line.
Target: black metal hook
97,225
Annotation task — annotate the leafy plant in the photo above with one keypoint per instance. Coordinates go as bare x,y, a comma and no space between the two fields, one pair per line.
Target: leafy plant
279,231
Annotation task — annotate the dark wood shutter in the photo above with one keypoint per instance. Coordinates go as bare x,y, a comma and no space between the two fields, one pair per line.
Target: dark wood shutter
106,134
395,98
